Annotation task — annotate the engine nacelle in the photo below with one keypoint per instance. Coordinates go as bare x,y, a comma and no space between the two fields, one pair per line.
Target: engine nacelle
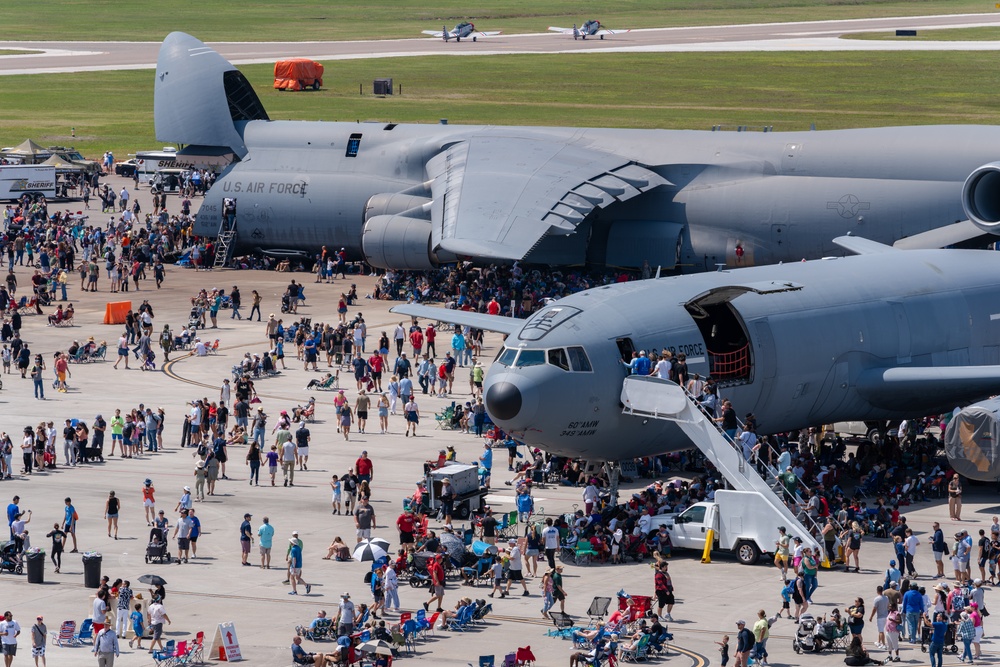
981,197
972,441
394,203
400,242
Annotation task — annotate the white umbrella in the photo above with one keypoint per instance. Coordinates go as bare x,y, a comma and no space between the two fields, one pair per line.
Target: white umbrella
378,541
369,550
379,647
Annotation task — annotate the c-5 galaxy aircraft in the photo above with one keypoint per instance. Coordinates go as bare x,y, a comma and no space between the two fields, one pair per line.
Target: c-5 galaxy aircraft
464,29
416,196
591,28
885,335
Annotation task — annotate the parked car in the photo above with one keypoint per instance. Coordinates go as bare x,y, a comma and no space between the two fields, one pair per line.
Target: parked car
126,168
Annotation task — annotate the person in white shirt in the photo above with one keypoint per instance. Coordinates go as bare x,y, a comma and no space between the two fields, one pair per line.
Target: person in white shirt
514,570
550,537
390,585
590,496
9,630
199,348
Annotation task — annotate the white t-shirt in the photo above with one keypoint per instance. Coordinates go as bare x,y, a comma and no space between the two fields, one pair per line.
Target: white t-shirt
911,545
663,369
157,614
8,631
590,494
551,535
288,451
200,349
515,559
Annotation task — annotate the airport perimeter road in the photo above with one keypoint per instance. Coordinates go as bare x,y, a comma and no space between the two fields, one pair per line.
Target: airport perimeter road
71,56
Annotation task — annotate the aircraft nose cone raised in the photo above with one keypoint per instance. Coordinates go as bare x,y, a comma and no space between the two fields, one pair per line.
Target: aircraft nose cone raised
503,401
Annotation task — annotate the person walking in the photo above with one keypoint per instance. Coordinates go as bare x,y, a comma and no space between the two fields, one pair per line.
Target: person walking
761,631
111,507
880,612
157,615
744,644
38,635
9,632
664,588
295,567
106,647
69,522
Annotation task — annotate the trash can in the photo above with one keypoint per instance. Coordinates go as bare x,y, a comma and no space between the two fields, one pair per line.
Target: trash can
36,567
92,570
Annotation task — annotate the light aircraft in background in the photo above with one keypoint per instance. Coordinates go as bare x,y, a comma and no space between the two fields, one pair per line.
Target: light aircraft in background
592,28
464,29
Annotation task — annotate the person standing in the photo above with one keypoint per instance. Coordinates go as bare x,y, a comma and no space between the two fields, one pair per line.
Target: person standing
38,635
100,614
69,522
182,532
558,592
295,567
265,536
9,631
938,629
106,647
364,519
58,542
550,535
111,508
390,586
939,548
125,596
436,573
781,552
911,543
880,612
246,538
235,299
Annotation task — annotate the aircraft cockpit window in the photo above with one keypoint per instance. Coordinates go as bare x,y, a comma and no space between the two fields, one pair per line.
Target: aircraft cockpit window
530,358
557,357
507,356
579,360
353,144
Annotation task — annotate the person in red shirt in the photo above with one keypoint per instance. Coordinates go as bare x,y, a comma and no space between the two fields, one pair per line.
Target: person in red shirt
429,337
377,365
405,523
436,572
62,370
417,341
364,468
493,308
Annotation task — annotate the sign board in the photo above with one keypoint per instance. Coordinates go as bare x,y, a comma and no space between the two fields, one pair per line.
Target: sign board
226,644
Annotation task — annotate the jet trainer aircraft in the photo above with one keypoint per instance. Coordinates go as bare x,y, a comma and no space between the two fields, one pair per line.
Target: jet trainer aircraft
416,196
464,29
885,335
592,28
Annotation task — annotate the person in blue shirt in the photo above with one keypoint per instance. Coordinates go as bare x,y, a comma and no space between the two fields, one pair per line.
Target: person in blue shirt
639,365
136,618
301,657
12,511
913,610
69,523
936,648
195,532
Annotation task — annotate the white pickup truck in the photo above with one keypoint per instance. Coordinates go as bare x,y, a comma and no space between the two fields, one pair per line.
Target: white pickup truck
743,522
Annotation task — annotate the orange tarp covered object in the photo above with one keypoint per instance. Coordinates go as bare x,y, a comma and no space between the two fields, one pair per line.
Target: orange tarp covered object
297,73
116,311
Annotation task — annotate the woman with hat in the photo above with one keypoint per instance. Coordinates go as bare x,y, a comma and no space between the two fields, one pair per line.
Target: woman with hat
200,476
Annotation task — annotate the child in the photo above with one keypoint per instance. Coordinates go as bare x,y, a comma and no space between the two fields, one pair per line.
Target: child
6,355
497,572
724,649
136,618
335,485
272,462
786,599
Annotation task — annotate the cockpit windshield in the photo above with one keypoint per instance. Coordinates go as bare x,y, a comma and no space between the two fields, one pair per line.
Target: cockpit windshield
573,359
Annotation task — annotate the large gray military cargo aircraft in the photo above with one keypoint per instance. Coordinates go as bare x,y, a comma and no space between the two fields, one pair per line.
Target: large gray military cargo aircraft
888,334
415,196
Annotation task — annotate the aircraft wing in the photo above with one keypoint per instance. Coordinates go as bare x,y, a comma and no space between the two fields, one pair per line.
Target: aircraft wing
498,197
907,386
491,33
942,237
435,33
504,325
601,33
565,31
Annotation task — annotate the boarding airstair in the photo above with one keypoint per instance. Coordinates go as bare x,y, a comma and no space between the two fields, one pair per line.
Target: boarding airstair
650,397
224,244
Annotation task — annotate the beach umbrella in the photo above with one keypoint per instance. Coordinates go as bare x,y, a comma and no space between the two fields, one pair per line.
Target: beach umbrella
453,543
369,550
379,647
153,580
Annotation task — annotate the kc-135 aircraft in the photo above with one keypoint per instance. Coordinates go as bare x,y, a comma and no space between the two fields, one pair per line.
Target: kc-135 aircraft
464,29
887,334
416,196
592,28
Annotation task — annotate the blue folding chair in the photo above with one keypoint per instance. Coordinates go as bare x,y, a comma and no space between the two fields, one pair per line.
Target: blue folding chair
487,660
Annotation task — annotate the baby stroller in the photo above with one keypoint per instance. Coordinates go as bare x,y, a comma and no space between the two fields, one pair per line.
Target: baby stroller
809,638
10,559
949,639
194,319
157,547
286,304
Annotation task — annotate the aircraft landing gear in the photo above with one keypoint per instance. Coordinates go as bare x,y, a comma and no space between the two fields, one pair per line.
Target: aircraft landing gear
473,39
613,469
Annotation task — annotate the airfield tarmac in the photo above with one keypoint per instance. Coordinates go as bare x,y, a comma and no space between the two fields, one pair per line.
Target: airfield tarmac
82,56
215,588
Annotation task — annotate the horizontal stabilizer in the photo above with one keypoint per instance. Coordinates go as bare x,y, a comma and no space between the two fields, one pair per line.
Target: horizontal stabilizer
909,388
504,325
862,246
942,237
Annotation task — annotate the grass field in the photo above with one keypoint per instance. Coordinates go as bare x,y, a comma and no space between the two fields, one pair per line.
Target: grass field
303,20
979,34
788,91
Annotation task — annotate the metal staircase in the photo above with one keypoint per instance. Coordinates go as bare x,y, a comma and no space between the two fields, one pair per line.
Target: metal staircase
654,398
224,244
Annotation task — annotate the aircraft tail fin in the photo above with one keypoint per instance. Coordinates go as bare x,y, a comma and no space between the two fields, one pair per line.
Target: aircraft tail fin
199,97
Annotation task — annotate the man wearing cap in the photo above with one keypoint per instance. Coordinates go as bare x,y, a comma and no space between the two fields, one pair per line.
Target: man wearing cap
781,552
514,568
744,644
246,538
489,525
345,616
295,566
182,532
406,526
39,633
938,548
436,572
913,608
295,540
289,452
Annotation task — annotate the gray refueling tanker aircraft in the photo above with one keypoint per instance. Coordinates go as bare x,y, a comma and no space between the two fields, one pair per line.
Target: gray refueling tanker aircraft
884,335
416,196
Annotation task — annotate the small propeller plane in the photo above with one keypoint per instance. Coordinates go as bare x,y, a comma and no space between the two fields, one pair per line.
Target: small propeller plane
589,29
464,29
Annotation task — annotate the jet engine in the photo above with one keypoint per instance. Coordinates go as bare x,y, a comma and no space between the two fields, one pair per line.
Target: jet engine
972,441
981,197
400,242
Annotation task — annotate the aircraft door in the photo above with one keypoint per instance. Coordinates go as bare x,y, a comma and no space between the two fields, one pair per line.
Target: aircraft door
625,347
689,529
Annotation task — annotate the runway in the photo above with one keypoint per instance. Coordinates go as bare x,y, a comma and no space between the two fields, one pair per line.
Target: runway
66,56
